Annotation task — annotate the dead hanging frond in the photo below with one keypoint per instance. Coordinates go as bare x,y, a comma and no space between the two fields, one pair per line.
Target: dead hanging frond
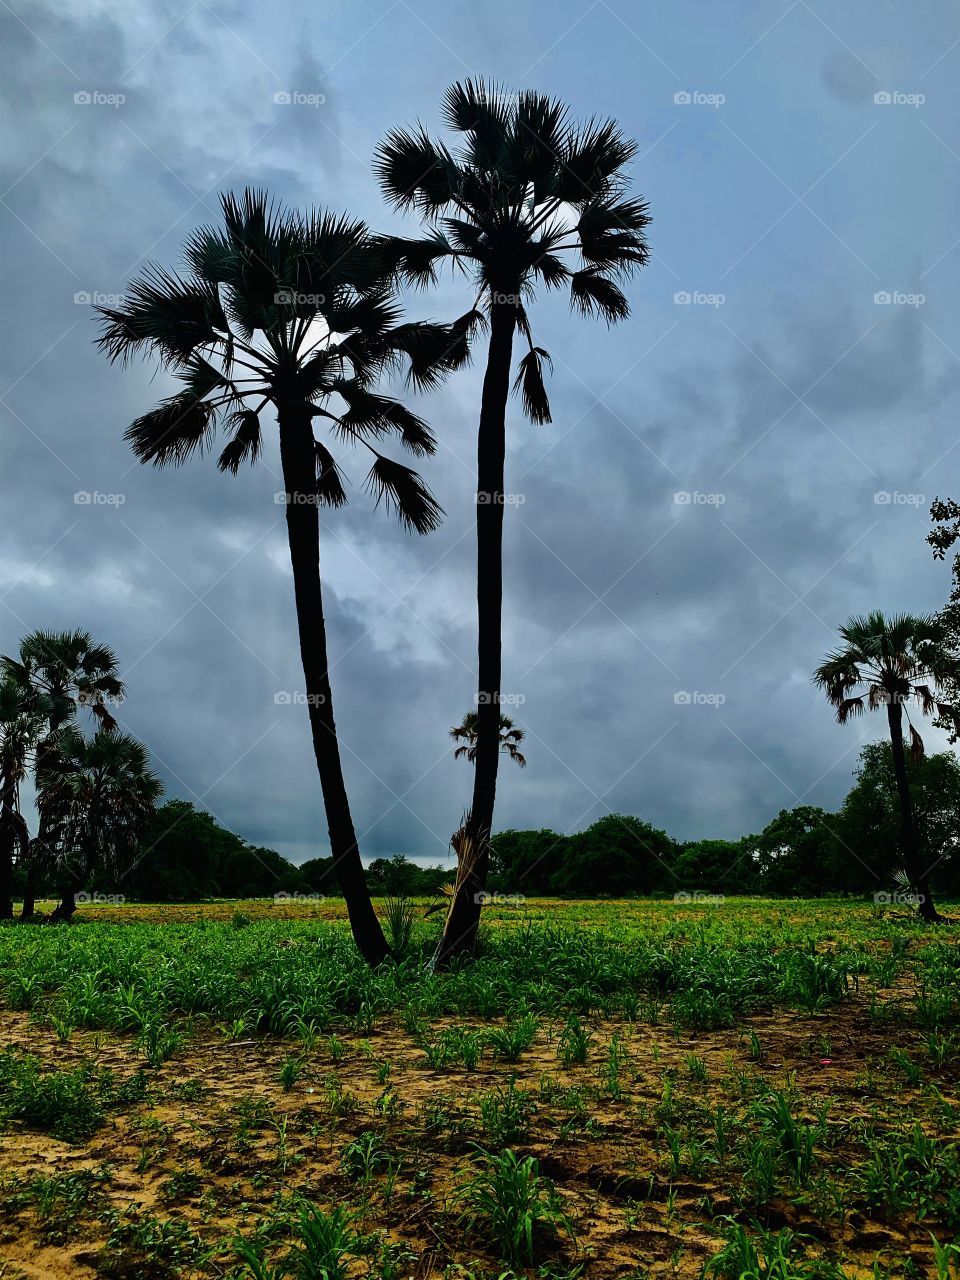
330,490
917,751
529,382
848,707
401,489
245,445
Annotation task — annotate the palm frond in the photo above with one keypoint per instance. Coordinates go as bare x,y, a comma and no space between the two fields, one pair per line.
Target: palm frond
594,294
916,746
330,489
529,382
177,428
402,489
246,443
414,171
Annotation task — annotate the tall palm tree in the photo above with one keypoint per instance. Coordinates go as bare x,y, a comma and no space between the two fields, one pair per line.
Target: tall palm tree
21,723
290,314
63,671
466,734
889,662
100,791
525,197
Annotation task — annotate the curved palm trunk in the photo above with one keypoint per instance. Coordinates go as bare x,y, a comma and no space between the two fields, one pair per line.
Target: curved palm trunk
303,531
460,930
67,905
919,878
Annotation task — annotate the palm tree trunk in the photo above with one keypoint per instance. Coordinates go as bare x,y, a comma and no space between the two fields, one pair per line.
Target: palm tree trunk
29,893
67,905
299,465
460,930
919,878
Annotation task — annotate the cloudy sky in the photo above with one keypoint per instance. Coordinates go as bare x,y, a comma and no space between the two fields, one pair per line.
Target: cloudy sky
699,517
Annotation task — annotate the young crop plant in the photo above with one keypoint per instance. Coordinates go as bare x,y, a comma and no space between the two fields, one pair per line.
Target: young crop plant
513,1205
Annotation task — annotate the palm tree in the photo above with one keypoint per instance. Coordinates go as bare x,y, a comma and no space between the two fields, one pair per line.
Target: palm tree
889,662
20,726
466,734
526,197
63,671
99,791
290,313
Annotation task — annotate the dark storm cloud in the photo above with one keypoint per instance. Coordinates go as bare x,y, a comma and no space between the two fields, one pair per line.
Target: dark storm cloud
780,412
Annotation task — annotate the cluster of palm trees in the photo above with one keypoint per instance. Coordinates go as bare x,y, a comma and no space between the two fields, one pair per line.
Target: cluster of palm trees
93,791
891,663
298,316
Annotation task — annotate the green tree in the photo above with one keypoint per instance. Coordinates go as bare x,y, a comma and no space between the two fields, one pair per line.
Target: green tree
525,861
796,852
290,314
525,198
100,792
869,820
617,855
466,734
715,866
889,662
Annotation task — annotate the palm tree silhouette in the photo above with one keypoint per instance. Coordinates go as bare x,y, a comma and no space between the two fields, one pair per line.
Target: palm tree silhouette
62,671
466,733
99,792
290,312
21,723
889,662
523,192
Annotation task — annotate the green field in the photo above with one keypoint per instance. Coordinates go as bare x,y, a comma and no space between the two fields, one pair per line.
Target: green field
619,1089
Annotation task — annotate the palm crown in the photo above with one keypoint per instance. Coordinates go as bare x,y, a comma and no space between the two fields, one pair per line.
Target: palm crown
526,192
99,791
283,309
466,734
886,660
67,670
